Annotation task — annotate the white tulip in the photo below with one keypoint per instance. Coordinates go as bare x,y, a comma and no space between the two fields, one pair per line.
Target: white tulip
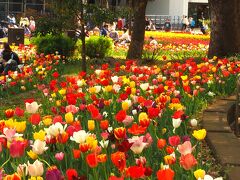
193,122
79,136
32,107
39,147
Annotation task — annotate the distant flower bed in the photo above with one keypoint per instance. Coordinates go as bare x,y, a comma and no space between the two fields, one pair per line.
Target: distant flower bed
178,38
134,122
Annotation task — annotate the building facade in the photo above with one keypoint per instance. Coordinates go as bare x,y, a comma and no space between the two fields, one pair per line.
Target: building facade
167,8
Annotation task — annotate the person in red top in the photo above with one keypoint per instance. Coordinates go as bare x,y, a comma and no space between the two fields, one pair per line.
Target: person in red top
119,24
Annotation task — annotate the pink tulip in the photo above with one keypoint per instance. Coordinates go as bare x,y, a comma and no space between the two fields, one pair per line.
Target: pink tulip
17,148
185,148
188,161
174,140
9,133
72,108
59,156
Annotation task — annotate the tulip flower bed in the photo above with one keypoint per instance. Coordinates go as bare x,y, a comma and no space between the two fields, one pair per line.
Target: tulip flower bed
130,122
178,38
171,46
36,69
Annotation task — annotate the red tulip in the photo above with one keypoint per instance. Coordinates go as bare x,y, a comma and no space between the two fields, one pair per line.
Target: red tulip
165,174
9,113
92,160
119,160
35,119
71,174
136,172
161,143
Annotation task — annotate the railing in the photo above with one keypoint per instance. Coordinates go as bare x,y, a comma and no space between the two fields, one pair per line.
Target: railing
237,118
159,20
16,8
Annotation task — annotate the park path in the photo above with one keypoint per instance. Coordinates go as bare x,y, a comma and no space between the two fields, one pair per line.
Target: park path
220,137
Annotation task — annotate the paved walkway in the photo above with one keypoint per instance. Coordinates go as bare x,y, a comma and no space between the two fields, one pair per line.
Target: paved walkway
220,137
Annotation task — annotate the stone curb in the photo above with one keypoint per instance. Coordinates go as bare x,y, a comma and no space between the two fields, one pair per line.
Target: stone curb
221,139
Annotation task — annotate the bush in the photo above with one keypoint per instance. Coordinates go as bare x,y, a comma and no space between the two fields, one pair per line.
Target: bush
98,46
49,44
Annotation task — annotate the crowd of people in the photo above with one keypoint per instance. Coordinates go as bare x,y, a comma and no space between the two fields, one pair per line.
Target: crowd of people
28,24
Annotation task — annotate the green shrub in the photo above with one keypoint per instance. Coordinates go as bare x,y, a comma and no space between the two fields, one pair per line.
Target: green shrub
98,46
49,44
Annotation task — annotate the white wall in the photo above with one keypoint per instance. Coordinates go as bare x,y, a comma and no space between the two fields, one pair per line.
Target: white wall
157,7
199,1
178,7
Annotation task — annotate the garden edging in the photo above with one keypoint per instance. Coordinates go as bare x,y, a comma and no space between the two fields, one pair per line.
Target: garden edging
216,120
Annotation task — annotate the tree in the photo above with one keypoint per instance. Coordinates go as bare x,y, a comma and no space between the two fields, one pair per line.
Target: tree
74,14
137,41
225,34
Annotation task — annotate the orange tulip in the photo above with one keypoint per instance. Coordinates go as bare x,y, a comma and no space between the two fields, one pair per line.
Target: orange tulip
120,133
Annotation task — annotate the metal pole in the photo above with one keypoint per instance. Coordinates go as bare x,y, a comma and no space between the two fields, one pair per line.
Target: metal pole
44,6
237,106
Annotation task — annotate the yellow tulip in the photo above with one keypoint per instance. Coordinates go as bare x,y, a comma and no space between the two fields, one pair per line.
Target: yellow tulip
199,134
108,88
9,123
91,125
142,116
62,91
125,105
39,135
20,126
133,91
36,178
164,130
32,155
92,90
92,142
184,78
214,69
69,117
47,120
58,103
132,84
199,174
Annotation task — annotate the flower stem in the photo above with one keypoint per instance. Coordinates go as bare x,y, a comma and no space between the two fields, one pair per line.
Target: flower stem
5,162
44,162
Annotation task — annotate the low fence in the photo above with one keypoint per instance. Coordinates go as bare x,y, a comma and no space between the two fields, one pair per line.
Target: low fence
159,20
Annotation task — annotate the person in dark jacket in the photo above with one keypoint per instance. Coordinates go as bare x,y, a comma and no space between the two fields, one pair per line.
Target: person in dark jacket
10,60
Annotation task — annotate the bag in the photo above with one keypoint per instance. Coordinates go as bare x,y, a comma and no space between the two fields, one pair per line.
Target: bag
15,57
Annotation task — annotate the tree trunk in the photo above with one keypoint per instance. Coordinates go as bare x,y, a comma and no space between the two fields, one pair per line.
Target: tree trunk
83,35
225,34
137,40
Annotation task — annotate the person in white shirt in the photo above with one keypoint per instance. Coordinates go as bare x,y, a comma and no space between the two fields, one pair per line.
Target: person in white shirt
125,38
152,42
